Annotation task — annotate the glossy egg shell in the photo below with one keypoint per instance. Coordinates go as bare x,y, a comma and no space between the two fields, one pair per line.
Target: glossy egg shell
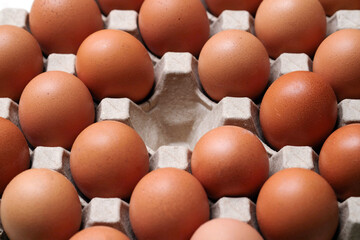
40,204
107,6
292,26
108,159
216,7
61,26
331,6
296,204
54,108
298,109
20,60
230,161
168,203
339,161
233,63
99,233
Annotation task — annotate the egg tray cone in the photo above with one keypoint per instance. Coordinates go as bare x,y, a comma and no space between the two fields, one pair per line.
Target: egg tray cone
178,113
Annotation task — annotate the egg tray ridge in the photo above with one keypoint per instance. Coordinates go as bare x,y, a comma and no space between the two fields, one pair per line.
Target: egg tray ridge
178,113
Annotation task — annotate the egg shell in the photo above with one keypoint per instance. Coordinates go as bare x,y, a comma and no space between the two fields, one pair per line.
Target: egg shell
216,7
298,109
14,152
107,6
99,233
331,6
233,63
108,159
61,26
54,108
173,26
17,48
339,161
112,63
168,203
225,229
40,204
336,60
230,161
292,26
295,204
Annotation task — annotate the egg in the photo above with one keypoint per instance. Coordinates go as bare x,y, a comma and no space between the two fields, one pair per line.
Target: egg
54,108
174,26
14,152
112,63
107,6
339,161
216,7
168,203
99,233
230,161
40,204
108,159
337,59
331,6
61,26
298,109
292,26
20,60
233,63
296,204
225,229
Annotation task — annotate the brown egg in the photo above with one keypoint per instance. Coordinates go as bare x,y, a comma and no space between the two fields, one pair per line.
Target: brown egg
99,233
168,203
112,63
233,63
217,6
61,26
225,229
292,26
40,204
14,152
331,6
174,26
339,161
21,60
296,204
108,159
230,161
298,109
54,108
107,6
337,60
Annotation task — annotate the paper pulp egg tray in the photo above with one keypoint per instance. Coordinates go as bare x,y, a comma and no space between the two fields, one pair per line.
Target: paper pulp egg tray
178,113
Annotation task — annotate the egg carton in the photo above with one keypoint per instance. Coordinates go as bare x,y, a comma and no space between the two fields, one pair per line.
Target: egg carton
179,113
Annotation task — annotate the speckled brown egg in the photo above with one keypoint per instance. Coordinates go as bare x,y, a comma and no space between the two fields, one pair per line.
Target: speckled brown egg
298,109
14,152
40,204
108,159
112,63
61,26
339,161
337,60
20,60
107,6
168,203
54,108
292,26
225,229
230,161
296,204
233,63
331,6
99,233
174,26
216,7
